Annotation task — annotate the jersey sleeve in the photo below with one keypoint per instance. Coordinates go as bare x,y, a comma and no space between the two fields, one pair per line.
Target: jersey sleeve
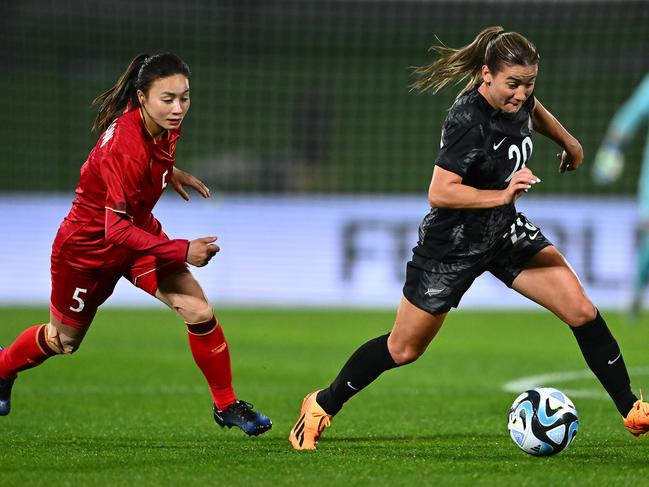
462,144
121,231
122,175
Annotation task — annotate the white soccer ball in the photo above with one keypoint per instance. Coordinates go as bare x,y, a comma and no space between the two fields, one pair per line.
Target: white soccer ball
543,421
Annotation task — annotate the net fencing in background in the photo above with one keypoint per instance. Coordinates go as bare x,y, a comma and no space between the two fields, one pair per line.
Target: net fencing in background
303,96
310,98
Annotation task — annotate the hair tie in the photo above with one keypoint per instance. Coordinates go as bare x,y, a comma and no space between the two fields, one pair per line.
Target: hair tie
140,72
492,41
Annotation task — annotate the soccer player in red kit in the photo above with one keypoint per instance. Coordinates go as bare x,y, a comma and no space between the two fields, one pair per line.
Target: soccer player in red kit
110,232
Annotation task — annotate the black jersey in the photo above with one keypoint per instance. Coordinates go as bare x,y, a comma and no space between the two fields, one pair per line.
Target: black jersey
486,147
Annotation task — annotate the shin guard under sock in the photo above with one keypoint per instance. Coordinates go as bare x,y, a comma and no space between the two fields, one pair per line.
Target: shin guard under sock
28,350
604,358
212,355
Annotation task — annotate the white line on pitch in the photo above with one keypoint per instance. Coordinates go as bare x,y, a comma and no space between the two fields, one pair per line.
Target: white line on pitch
551,379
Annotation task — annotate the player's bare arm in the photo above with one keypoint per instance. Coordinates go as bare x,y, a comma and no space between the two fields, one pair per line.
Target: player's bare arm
545,123
447,191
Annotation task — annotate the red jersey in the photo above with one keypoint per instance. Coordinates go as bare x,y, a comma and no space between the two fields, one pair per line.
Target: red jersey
120,183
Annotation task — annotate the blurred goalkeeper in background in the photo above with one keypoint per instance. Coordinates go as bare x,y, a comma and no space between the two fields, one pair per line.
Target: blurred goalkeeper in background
111,233
609,163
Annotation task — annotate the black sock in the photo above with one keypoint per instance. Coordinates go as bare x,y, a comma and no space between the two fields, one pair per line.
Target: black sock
363,367
604,358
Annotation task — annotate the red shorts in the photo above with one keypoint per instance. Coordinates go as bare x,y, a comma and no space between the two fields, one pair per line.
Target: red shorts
77,292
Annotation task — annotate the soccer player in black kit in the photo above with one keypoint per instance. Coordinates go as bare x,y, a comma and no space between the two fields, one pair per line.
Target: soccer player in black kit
473,227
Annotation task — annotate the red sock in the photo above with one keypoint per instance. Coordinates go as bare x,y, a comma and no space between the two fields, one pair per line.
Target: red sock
212,355
28,350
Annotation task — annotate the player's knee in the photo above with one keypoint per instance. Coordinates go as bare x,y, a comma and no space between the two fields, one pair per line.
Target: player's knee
583,311
70,344
405,354
197,311
61,343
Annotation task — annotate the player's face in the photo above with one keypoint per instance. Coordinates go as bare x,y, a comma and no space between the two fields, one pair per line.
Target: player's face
166,103
507,89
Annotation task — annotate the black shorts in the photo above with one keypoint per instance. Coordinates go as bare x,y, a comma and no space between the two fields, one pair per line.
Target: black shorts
438,286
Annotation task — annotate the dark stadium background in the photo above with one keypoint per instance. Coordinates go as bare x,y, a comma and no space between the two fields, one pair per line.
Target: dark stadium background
302,96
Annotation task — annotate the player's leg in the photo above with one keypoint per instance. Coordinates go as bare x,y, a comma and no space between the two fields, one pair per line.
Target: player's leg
429,292
548,280
30,349
79,294
413,330
181,292
641,274
637,421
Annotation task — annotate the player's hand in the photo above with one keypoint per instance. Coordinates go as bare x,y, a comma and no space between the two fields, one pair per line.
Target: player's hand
571,157
180,178
201,251
608,165
520,183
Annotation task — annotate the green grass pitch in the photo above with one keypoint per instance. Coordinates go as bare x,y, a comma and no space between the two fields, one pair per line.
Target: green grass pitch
130,408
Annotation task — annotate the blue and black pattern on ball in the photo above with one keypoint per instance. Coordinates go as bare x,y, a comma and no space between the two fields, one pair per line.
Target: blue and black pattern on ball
545,420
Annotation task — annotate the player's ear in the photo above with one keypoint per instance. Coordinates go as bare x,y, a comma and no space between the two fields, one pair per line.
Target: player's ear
486,74
140,97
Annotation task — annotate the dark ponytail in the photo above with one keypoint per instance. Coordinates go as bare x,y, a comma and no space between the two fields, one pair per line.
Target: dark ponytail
492,47
142,71
114,100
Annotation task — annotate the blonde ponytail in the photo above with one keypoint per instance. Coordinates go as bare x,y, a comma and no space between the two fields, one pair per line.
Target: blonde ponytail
492,47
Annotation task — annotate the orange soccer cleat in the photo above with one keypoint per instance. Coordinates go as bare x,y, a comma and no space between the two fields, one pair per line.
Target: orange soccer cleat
637,421
313,420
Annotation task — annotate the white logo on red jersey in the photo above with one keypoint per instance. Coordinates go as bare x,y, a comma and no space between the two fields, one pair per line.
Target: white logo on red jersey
108,134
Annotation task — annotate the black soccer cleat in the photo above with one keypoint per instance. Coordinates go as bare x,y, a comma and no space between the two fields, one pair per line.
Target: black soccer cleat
240,414
5,395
